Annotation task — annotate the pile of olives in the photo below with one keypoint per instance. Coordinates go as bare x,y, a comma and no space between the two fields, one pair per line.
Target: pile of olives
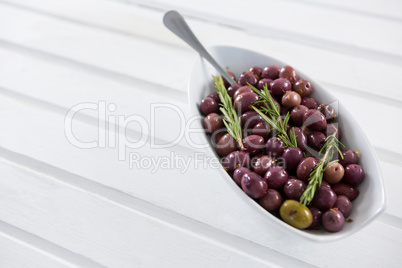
272,174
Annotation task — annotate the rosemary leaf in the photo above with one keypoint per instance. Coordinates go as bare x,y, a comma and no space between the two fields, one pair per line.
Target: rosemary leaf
331,146
286,120
231,120
292,136
274,117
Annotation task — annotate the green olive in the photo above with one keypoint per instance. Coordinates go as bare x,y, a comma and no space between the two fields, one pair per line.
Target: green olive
296,214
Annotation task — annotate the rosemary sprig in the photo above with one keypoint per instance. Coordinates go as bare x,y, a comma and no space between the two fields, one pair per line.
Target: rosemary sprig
328,150
274,118
231,120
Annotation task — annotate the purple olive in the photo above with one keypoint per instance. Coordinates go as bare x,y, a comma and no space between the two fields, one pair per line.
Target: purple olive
316,217
289,73
344,205
324,198
209,105
294,188
253,144
297,114
348,157
249,119
274,147
316,140
238,174
346,190
262,164
244,101
247,78
232,89
256,71
305,167
292,156
215,96
314,120
328,112
212,122
309,103
333,220
354,175
262,129
235,160
253,185
276,177
333,129
217,135
272,200
242,90
225,145
271,72
301,137
263,82
280,86
303,87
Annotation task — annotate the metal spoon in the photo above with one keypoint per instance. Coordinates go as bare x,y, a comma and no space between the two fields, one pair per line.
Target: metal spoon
176,23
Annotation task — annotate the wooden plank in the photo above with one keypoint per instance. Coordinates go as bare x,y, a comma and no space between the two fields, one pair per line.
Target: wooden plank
123,37
117,230
373,121
96,11
100,164
383,234
106,15
63,36
129,96
44,85
388,9
298,22
390,172
21,249
48,81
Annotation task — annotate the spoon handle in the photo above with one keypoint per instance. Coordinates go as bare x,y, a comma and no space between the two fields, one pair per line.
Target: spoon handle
176,23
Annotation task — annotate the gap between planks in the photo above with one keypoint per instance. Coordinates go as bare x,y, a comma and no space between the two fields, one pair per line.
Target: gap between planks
176,221
90,24
131,132
383,154
43,247
350,10
150,38
154,88
123,78
272,33
188,152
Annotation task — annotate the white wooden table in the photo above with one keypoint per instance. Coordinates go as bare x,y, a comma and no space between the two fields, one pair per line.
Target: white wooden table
65,206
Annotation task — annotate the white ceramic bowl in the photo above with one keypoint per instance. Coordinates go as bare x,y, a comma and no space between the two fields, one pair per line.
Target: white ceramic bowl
371,201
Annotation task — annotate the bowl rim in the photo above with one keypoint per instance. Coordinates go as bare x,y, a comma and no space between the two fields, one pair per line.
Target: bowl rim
319,237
